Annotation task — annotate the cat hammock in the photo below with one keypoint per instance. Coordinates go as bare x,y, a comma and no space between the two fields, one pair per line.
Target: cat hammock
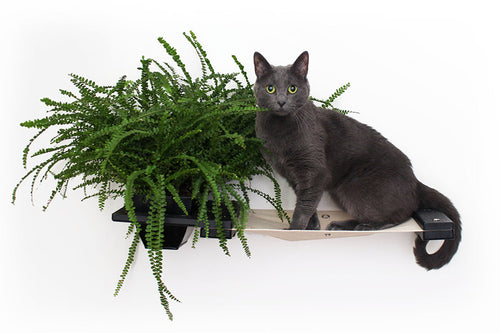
428,224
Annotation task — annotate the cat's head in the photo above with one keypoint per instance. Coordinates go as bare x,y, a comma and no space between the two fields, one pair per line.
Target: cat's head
281,89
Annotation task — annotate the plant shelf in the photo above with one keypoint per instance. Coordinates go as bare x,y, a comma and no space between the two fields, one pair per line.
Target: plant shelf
266,222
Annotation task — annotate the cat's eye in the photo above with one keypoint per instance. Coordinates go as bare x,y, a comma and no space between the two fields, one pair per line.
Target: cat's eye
270,89
292,89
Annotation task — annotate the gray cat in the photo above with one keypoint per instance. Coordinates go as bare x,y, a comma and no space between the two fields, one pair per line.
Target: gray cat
319,150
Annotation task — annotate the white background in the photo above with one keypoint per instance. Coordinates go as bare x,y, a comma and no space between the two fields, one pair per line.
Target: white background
423,73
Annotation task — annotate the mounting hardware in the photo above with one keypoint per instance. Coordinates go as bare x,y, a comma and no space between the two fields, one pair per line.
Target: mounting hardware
435,224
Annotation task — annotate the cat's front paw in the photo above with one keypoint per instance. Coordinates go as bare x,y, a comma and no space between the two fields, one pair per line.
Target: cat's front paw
298,224
314,223
368,227
292,227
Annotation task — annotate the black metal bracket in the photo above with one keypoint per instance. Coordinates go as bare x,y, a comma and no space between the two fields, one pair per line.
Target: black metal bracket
177,228
435,225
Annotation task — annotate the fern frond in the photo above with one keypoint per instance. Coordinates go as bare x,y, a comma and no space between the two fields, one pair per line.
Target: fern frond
202,217
130,259
328,103
242,70
28,146
173,53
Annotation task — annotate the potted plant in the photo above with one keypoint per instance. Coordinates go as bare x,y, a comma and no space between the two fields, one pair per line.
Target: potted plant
164,136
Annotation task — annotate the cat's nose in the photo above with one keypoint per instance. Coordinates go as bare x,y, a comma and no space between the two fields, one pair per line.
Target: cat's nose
281,103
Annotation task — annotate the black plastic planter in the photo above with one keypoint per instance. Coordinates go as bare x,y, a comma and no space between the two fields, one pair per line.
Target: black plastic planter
178,226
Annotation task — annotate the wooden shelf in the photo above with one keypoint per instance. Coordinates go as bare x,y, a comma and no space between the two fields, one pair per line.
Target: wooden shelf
266,222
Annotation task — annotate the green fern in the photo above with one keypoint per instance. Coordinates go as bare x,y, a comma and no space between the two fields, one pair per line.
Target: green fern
165,133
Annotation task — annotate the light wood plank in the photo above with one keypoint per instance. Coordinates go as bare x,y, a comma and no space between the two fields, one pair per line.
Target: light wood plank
267,222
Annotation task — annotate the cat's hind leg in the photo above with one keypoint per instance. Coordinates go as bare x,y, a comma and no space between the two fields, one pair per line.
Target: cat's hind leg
377,201
375,226
359,226
342,225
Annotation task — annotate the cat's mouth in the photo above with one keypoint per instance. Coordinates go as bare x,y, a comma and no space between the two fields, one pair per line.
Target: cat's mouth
281,111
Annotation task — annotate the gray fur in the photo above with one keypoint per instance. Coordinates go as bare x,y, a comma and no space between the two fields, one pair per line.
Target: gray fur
318,150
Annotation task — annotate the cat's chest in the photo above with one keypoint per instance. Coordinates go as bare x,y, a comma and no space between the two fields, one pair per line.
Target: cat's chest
280,137
289,144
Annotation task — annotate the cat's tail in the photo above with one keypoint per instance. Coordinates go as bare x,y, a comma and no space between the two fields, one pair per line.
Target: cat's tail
432,199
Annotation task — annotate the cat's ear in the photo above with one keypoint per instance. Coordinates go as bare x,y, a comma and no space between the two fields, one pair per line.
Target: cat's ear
261,65
301,65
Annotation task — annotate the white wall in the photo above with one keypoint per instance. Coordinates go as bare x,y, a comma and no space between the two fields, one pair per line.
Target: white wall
424,73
